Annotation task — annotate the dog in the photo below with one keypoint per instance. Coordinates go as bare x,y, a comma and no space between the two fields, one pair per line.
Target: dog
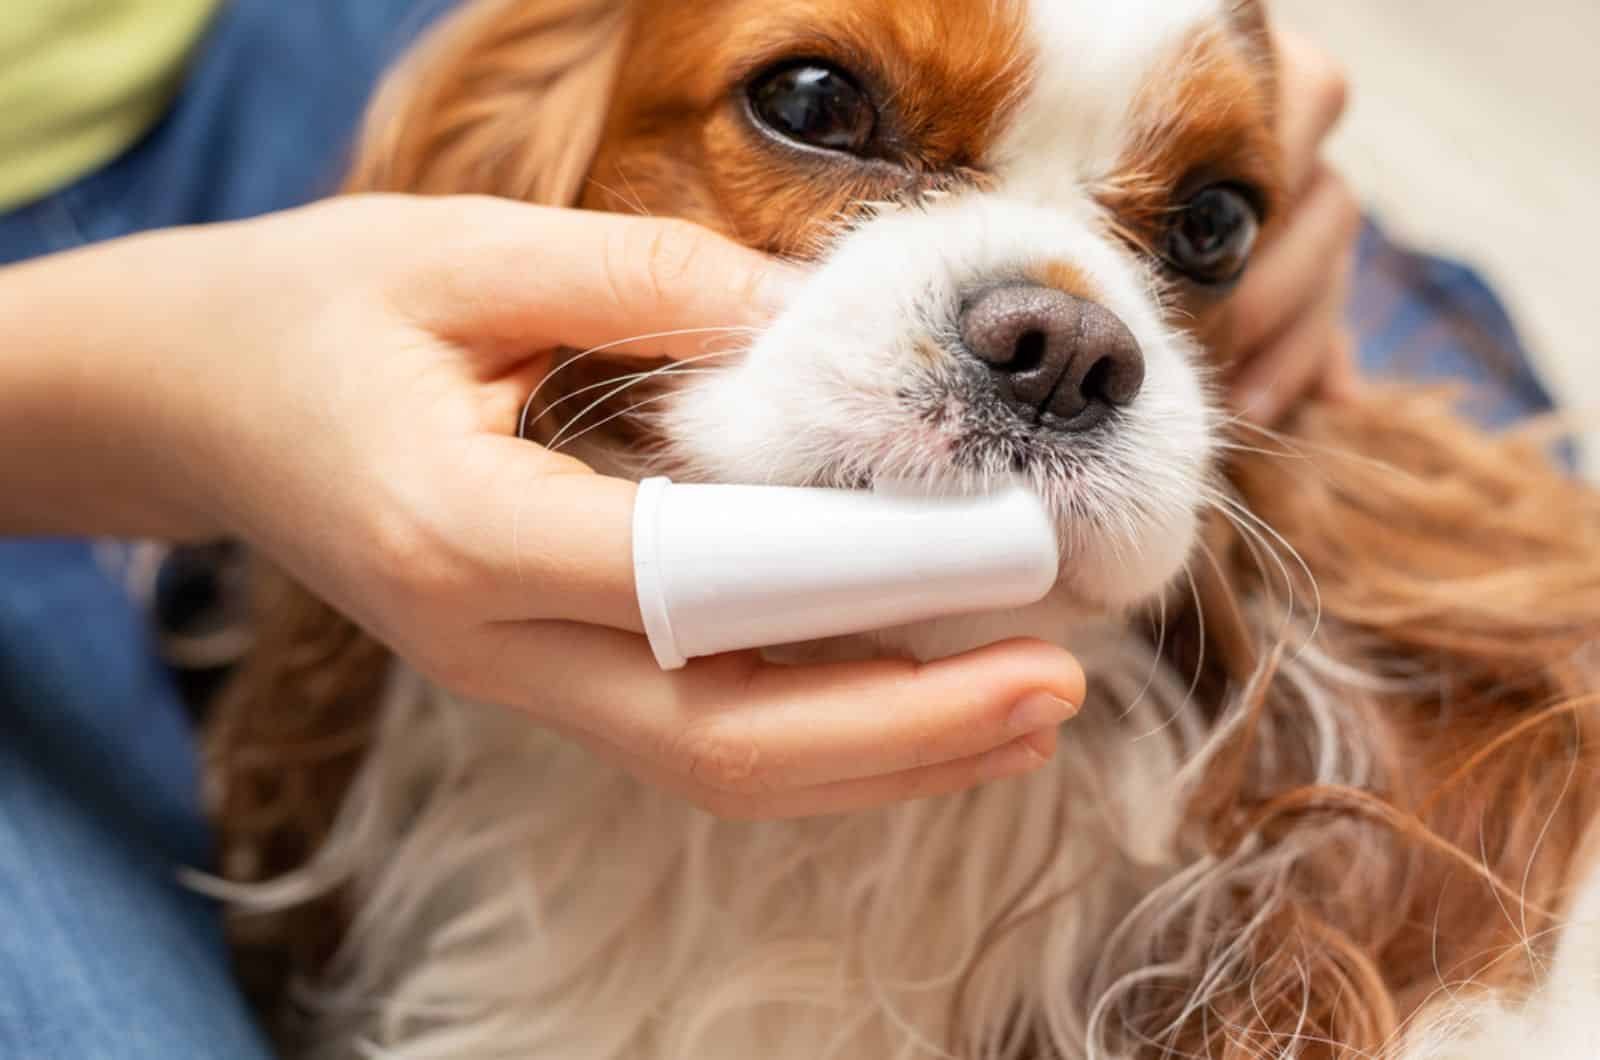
1333,791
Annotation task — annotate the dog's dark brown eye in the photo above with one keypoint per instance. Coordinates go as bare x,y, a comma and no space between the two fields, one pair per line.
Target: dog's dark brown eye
814,104
1213,234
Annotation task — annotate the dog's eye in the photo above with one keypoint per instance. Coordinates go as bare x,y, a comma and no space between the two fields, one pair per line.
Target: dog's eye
1213,234
814,104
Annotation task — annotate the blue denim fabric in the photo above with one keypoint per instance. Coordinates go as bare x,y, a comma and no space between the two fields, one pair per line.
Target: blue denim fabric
1420,317
102,954
264,122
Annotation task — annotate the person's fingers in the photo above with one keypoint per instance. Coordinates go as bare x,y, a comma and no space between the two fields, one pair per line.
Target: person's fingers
1315,352
1292,272
630,284
543,538
1015,759
825,724
739,725
1312,95
1342,380
1300,362
1286,319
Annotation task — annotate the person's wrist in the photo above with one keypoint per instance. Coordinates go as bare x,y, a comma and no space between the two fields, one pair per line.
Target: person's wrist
86,420
157,398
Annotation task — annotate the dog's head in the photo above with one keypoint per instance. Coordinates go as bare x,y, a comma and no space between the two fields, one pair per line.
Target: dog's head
1021,214
1022,220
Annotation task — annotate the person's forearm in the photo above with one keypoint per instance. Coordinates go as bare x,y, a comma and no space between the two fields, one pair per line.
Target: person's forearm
86,439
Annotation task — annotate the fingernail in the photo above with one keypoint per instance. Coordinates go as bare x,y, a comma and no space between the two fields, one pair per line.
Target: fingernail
1040,711
1011,760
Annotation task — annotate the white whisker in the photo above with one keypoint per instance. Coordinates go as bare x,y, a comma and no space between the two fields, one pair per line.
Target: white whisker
527,406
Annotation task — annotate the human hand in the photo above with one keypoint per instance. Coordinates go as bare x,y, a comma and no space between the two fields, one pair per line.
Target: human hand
341,386
1290,338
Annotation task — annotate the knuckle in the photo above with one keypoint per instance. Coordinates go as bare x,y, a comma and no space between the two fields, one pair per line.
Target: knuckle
1346,206
446,225
400,546
647,260
417,563
671,258
721,761
463,218
1327,78
1335,85
618,258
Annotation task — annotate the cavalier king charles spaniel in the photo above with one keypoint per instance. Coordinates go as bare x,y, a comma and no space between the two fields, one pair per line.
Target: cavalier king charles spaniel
1332,792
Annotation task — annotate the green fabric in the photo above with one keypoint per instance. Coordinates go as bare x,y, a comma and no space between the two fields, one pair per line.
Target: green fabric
81,80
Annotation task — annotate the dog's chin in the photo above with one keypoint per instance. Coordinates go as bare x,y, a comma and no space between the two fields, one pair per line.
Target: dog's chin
1119,551
1109,578
1065,617
1125,496
1124,540
1104,579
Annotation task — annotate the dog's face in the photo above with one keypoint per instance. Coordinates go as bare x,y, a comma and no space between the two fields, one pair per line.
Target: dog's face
1021,214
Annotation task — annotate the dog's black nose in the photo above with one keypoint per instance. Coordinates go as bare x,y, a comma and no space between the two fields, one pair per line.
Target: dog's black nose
1058,360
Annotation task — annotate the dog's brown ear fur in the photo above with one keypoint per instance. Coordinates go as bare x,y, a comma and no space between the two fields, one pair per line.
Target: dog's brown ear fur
1457,582
506,98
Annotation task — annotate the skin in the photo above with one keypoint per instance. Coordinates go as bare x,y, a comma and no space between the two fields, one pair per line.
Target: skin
1292,339
339,386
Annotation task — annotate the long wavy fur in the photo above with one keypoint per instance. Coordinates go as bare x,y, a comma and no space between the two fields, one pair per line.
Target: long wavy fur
1392,641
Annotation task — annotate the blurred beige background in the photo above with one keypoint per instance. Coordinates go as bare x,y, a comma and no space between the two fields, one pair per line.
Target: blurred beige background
1474,129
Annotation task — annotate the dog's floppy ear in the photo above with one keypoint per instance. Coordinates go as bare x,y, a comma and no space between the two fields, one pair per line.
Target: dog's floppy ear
507,97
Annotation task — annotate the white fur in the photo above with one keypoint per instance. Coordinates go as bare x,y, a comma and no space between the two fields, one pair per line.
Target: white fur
1097,57
518,899
1561,1021
819,389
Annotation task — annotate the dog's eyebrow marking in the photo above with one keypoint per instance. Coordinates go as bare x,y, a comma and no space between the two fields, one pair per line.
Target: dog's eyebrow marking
1207,115
1092,60
947,73
1067,277
679,124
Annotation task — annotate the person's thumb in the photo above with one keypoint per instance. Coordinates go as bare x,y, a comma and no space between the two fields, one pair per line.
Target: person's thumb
515,277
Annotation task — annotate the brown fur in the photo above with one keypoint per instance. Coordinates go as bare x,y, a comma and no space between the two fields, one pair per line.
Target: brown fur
677,144
1066,277
1472,567
1465,563
1216,124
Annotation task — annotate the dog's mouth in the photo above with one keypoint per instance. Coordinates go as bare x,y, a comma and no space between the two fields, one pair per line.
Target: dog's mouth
953,431
1125,508
1123,482
992,435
